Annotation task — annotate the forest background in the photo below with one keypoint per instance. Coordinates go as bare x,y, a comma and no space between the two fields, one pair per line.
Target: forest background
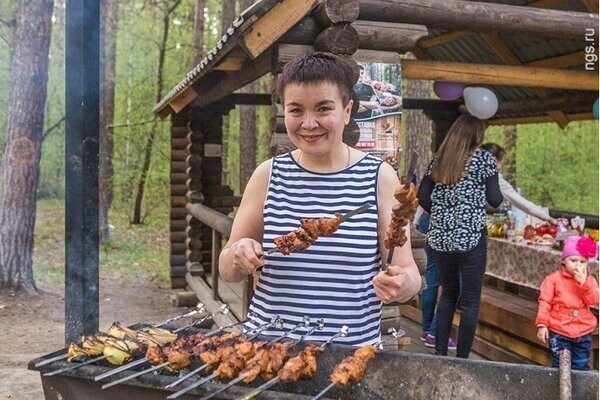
555,167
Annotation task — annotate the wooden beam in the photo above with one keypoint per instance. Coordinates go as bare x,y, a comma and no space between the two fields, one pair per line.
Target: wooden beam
564,61
287,52
482,17
388,36
330,12
499,75
538,119
441,39
271,26
591,5
211,90
233,61
507,56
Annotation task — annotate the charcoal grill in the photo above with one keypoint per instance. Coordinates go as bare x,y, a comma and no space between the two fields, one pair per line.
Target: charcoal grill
391,375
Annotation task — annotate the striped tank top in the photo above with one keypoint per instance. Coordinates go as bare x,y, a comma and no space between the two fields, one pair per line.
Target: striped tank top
332,278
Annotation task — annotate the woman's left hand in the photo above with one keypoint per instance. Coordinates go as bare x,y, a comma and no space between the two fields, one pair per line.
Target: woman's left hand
396,284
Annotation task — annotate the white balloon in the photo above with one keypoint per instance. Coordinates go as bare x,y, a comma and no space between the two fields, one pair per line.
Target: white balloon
480,102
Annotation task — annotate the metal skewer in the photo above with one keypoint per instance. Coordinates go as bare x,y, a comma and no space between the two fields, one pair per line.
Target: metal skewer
305,323
223,310
198,310
343,332
256,332
343,218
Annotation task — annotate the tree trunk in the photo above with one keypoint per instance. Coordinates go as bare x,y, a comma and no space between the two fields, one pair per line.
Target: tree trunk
23,138
109,14
509,163
199,31
247,130
418,126
137,208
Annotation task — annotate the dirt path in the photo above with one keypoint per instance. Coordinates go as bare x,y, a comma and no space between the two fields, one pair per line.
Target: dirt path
34,326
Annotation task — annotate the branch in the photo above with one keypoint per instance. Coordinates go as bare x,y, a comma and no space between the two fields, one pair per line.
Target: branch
53,127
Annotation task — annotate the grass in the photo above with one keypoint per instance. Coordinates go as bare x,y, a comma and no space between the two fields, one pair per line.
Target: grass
133,251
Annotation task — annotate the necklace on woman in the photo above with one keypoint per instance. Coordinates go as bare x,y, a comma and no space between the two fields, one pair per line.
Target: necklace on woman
347,161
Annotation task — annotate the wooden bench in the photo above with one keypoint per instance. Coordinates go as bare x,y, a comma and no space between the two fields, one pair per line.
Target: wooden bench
506,330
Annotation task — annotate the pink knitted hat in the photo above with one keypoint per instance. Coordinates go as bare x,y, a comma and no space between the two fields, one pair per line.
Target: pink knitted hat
579,246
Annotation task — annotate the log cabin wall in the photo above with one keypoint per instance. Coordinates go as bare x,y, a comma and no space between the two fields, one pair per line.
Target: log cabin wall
204,184
178,178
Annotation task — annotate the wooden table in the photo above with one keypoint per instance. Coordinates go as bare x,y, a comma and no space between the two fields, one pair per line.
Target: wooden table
524,264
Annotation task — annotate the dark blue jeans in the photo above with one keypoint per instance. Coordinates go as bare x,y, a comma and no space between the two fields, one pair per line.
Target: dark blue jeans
461,274
580,349
432,282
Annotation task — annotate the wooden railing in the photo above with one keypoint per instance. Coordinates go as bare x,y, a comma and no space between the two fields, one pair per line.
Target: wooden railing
221,228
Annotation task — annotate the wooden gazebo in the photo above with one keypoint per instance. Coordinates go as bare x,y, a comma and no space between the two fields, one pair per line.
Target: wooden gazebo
539,58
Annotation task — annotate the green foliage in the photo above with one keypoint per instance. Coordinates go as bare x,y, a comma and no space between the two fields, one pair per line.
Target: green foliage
557,168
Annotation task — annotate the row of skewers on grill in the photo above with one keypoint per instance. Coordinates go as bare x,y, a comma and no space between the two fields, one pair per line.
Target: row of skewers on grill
230,355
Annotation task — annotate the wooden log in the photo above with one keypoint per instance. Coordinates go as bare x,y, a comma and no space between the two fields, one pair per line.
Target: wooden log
177,225
331,12
388,36
213,179
221,190
194,254
178,166
195,267
177,259
204,292
458,15
184,299
194,160
499,75
178,213
179,155
223,201
544,104
215,220
213,166
178,178
178,201
337,39
178,270
178,190
194,243
178,282
177,248
194,196
195,136
194,184
196,148
287,52
179,143
194,173
179,131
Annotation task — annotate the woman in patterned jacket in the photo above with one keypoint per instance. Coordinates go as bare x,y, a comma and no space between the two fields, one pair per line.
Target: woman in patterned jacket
339,277
457,184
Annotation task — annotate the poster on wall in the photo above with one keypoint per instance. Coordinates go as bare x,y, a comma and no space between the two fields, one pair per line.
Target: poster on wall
379,92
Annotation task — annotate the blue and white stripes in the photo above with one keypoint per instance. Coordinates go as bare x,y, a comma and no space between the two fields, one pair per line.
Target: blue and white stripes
332,278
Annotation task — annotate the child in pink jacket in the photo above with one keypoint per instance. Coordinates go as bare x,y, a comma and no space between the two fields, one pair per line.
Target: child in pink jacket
566,295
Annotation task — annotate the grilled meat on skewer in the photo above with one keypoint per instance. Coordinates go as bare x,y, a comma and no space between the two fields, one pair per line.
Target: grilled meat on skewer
310,229
303,366
352,368
402,213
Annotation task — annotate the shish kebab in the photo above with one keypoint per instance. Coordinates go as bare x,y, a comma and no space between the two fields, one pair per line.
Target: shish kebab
275,354
402,214
310,230
302,366
351,368
199,309
130,342
181,361
224,309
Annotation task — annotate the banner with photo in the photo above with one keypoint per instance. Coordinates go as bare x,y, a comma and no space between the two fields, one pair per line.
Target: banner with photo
379,92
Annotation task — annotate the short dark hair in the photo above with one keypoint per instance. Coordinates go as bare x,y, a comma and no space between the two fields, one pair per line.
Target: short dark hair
319,67
496,151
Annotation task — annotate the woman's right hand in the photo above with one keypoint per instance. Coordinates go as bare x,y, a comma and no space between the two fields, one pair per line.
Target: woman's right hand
247,256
